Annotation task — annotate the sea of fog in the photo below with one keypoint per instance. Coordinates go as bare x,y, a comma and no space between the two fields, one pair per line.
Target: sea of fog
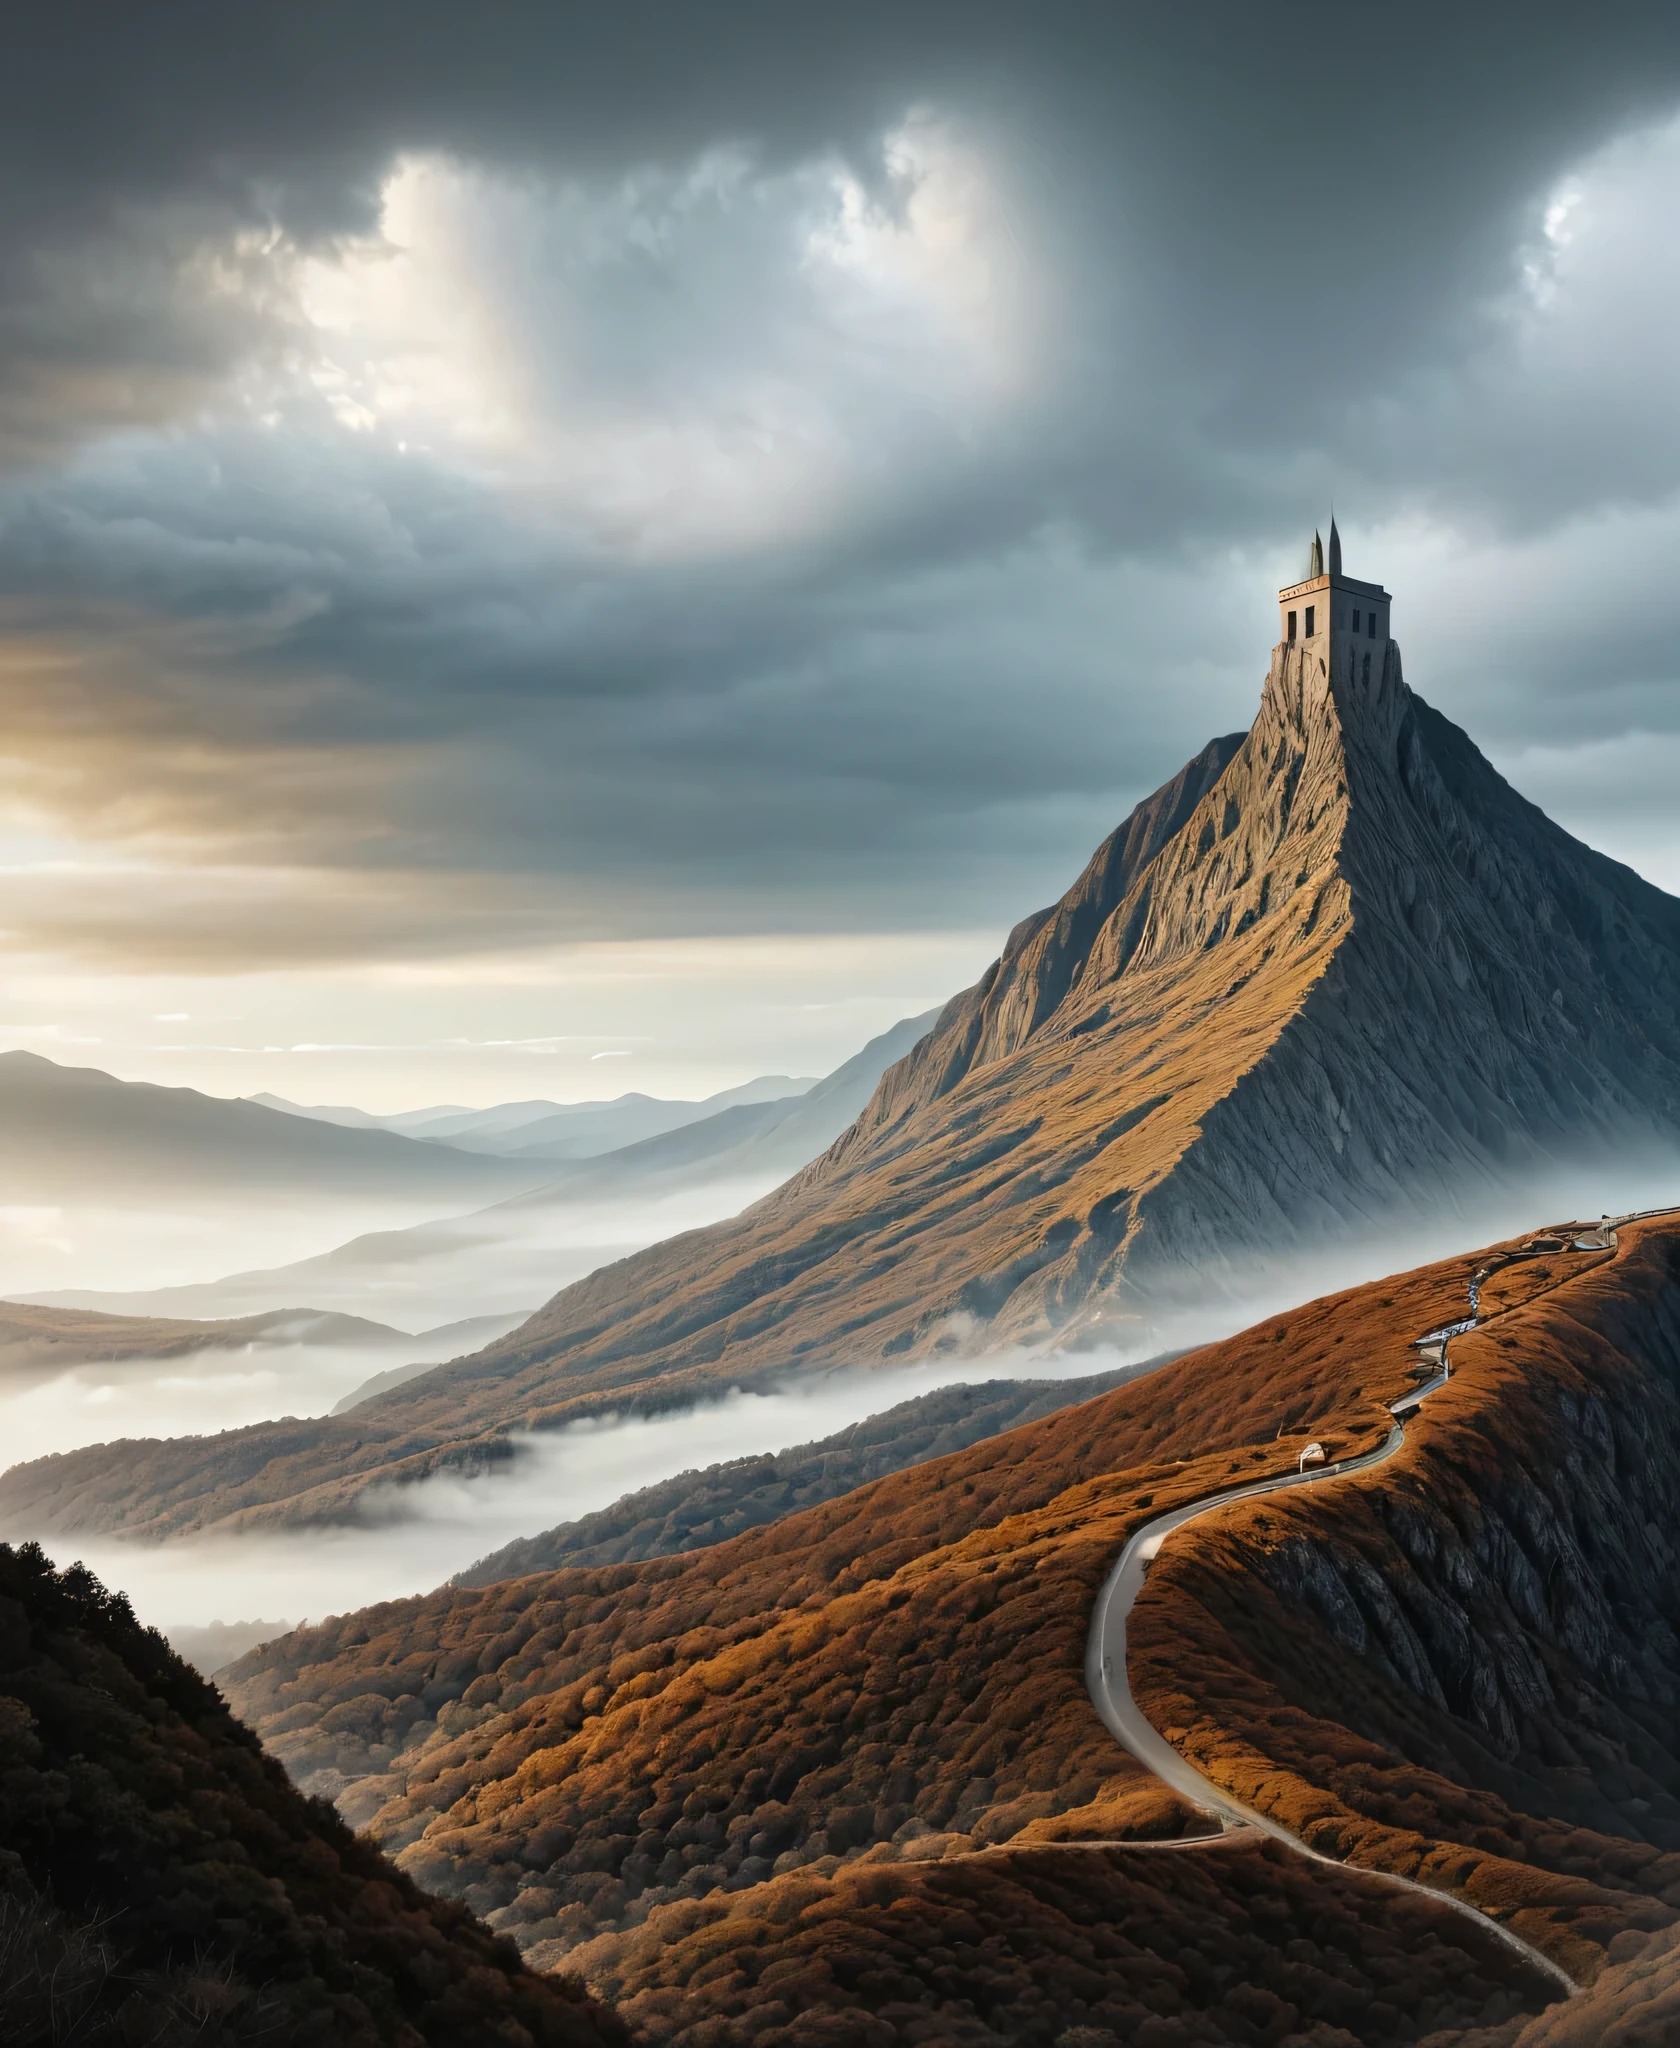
411,1539
412,1271
414,1537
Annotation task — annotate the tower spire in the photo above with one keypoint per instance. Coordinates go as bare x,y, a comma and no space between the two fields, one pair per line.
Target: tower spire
1315,557
1335,548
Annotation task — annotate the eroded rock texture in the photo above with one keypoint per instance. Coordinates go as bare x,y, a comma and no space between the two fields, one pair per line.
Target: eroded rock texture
1334,973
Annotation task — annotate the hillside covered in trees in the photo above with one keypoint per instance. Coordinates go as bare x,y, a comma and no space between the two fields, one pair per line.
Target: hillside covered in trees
846,1770
161,1882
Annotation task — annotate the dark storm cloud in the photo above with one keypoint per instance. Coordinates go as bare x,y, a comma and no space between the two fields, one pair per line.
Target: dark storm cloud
1262,255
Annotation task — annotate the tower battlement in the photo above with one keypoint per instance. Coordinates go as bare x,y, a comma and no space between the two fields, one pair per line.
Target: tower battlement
1343,621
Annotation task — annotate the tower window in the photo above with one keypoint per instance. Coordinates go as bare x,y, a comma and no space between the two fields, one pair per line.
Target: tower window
1311,608
1356,622
1372,634
1292,626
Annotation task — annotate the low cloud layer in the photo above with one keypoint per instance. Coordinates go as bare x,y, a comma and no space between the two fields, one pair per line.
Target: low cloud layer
414,1537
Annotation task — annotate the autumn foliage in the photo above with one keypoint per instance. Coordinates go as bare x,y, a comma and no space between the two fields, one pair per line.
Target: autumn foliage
764,1783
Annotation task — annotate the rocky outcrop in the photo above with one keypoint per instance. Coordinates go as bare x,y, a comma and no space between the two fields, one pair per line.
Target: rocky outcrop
1491,1616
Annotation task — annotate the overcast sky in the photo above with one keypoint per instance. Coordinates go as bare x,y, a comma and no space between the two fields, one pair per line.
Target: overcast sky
548,550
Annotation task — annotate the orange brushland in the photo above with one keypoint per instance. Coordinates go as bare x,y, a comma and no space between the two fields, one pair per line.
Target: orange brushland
766,1756
1334,967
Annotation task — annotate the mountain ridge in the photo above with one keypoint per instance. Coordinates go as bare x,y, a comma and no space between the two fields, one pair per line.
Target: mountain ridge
67,1126
544,1129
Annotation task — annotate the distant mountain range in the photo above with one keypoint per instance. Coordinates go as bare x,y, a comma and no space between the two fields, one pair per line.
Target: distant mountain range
550,1130
74,1132
506,1255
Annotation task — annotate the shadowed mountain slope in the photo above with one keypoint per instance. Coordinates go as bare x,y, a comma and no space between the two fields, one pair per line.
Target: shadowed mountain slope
767,1777
162,1883
1336,972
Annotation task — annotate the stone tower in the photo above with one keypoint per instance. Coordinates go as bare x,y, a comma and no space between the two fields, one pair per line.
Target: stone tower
1343,622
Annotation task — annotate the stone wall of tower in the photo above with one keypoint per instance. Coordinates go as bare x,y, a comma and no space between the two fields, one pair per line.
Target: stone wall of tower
1357,650
1335,602
1313,593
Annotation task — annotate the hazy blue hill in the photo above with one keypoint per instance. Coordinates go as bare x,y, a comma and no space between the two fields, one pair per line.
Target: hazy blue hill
71,1133
543,1130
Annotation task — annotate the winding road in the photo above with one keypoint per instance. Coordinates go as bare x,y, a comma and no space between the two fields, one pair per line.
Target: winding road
1105,1655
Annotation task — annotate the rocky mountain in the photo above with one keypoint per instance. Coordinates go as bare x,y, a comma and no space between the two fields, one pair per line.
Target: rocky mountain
161,1883
1335,973
848,1766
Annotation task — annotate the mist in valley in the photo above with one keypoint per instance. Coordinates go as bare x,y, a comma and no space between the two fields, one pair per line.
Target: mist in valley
410,1539
412,1273
1217,1299
84,1243
218,1387
431,1291
427,1283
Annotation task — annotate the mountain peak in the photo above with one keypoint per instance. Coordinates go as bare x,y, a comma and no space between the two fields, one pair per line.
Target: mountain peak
1333,977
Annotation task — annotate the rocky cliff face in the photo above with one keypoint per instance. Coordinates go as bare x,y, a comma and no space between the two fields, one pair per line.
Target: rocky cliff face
1335,972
